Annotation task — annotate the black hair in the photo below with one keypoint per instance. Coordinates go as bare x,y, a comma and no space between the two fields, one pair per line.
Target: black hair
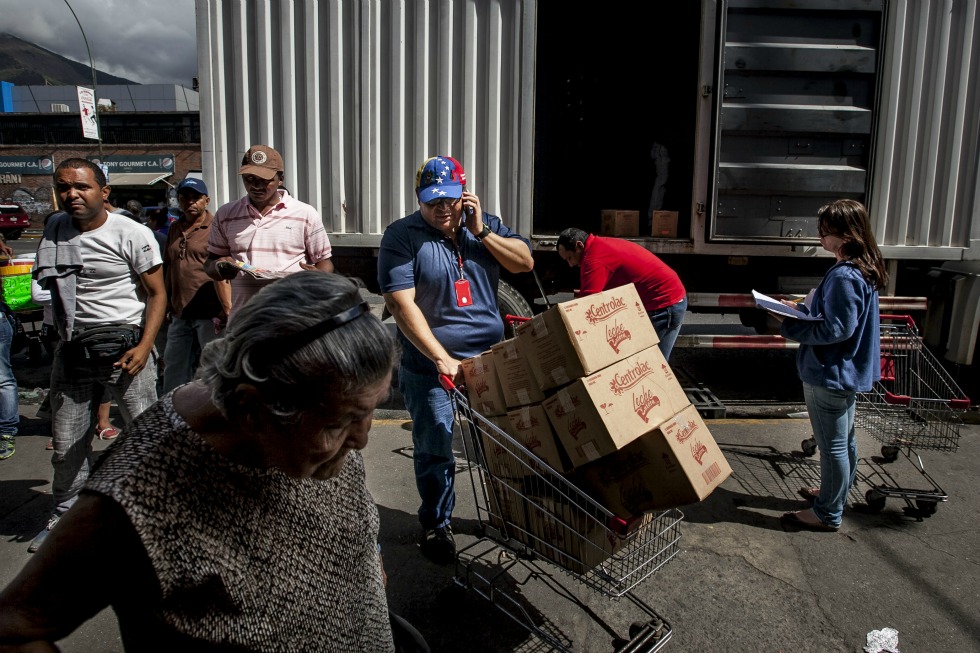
76,163
570,236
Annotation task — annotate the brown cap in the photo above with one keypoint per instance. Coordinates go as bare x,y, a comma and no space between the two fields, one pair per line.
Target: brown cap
261,161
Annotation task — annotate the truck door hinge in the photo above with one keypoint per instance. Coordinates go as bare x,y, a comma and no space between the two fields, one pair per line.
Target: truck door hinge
699,207
706,90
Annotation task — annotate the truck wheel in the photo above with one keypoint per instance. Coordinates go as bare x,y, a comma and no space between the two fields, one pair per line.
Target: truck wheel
511,302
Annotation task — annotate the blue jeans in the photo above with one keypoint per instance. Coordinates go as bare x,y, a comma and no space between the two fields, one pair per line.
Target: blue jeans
667,323
832,419
9,414
432,439
76,393
185,340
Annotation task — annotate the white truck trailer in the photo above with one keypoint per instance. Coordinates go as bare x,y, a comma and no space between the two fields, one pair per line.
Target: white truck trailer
744,116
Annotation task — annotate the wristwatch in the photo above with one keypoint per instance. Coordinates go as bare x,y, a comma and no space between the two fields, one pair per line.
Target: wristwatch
483,234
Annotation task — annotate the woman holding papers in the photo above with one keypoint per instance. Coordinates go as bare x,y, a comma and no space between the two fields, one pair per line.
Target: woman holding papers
838,355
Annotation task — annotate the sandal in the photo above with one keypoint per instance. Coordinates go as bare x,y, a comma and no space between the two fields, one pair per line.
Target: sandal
108,433
805,519
809,494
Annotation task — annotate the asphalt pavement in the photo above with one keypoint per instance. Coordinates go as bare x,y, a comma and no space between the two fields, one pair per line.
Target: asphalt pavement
738,580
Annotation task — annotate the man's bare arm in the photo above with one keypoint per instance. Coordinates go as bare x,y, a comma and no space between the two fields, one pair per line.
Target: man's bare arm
134,360
401,304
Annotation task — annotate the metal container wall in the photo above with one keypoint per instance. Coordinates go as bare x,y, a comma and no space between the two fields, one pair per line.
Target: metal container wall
925,195
355,94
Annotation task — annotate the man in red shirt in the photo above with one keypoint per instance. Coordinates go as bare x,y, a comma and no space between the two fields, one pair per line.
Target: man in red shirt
612,262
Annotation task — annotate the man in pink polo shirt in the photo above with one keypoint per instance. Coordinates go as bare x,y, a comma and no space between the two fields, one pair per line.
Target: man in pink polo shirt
267,229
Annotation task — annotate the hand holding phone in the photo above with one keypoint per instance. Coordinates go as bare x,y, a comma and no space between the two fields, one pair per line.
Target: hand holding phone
471,218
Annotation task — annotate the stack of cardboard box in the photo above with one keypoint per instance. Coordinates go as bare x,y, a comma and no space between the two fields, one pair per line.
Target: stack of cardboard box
584,387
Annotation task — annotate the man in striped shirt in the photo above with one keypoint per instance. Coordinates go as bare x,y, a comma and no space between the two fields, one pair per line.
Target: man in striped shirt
268,229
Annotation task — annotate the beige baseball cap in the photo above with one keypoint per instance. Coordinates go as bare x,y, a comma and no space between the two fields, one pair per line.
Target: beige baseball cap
261,161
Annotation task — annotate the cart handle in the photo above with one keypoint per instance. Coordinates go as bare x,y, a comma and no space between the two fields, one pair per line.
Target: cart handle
905,400
446,382
899,318
897,400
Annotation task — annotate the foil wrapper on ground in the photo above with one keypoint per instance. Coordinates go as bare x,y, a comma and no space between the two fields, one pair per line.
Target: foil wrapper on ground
882,641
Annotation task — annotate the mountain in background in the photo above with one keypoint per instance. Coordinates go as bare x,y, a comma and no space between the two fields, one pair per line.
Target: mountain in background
24,63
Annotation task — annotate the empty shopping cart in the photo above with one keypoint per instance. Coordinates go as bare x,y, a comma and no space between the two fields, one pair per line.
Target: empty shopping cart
915,406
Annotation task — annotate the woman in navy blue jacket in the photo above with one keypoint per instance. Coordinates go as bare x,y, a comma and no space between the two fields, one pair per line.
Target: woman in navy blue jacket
839,355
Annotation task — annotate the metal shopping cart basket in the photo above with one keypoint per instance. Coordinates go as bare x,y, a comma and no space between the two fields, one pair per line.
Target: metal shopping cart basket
915,406
531,518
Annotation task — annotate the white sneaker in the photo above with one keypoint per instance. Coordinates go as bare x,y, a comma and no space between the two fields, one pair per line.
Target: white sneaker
40,537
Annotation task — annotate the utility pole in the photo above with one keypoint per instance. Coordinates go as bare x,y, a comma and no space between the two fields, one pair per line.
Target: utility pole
95,88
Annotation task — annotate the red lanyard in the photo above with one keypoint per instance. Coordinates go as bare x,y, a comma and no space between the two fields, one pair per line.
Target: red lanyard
459,256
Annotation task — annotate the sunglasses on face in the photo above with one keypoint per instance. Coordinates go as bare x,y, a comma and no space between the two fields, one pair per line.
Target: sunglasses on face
444,202
252,180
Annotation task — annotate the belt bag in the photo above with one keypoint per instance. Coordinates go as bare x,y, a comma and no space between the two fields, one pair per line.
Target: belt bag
102,345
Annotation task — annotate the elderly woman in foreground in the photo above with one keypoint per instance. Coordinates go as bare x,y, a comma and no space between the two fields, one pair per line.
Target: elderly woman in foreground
234,516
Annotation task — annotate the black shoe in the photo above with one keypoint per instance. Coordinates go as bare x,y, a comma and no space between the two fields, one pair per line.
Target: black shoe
438,545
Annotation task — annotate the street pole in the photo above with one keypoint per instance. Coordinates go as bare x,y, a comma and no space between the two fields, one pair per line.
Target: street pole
95,88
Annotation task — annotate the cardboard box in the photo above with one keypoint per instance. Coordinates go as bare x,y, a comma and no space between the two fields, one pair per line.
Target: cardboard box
600,414
664,224
532,428
581,336
503,460
572,536
482,385
676,464
625,224
517,381
507,508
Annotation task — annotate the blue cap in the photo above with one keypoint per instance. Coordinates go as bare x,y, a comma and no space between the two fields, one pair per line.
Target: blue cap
194,184
439,177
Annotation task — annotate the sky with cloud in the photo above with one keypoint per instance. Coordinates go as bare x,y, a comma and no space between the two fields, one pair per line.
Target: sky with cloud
147,41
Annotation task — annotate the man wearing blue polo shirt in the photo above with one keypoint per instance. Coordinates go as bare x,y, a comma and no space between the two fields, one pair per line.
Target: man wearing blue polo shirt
438,269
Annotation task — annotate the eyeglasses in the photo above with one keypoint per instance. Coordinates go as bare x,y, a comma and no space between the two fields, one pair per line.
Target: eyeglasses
252,180
444,202
183,246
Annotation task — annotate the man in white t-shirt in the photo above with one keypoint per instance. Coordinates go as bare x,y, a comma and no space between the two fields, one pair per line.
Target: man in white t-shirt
103,270
268,229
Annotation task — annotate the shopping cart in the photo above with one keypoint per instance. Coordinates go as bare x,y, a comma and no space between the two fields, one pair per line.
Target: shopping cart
915,406
531,517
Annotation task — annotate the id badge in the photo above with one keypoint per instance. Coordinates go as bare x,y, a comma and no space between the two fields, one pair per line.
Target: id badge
463,296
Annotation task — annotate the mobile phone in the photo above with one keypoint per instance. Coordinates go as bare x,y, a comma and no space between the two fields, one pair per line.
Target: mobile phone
469,209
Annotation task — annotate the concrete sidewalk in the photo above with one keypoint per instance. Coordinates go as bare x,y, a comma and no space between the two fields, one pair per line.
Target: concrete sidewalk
739,582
